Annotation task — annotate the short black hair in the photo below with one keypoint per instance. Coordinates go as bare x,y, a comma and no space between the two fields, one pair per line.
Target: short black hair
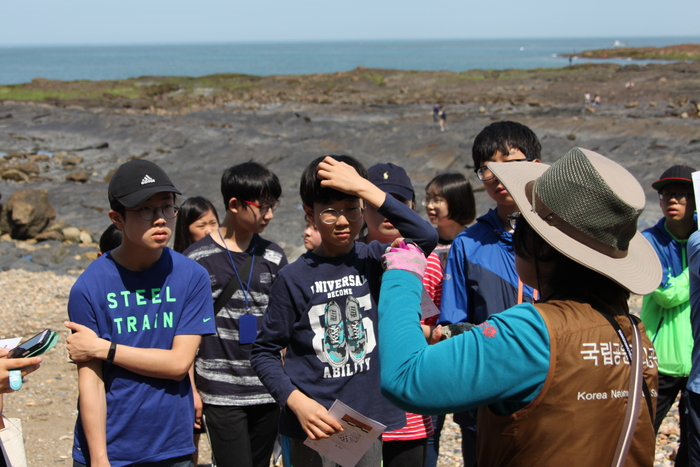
249,181
458,194
191,210
569,279
110,239
310,187
503,136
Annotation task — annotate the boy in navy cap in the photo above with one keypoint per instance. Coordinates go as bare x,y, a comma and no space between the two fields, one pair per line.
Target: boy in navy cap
138,314
666,311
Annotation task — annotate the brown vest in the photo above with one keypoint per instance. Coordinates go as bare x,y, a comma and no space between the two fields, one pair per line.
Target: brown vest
577,417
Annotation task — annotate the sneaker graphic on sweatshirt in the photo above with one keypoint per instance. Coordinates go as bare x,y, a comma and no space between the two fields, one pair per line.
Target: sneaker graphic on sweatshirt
335,346
357,335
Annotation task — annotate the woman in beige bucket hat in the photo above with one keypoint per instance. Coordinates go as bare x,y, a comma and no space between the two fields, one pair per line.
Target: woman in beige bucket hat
550,380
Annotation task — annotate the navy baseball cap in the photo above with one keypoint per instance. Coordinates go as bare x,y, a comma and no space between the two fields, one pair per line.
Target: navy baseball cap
391,179
136,181
675,174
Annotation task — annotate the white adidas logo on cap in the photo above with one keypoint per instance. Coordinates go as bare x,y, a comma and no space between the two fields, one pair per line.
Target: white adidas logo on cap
147,179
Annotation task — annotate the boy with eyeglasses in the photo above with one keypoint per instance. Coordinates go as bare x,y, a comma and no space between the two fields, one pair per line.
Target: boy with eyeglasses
241,416
666,311
480,277
323,310
138,313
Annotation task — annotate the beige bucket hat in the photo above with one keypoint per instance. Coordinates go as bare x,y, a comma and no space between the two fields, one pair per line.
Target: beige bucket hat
586,206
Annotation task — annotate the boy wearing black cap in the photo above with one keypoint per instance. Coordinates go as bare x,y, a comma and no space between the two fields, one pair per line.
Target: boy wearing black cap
138,313
666,311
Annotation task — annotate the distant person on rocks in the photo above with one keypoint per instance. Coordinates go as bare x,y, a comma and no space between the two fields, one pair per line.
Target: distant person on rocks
196,219
443,118
138,313
597,100
549,377
240,414
693,392
480,275
330,330
587,99
666,311
436,115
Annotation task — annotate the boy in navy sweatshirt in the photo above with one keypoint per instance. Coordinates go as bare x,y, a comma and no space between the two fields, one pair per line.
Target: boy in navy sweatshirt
323,310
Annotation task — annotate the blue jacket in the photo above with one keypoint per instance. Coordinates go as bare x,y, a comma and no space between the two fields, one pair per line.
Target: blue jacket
480,278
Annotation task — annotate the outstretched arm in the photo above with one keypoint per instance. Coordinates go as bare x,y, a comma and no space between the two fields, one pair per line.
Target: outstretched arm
84,345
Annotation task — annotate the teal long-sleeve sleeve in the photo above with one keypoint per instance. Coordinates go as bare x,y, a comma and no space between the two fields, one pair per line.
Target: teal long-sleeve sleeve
502,363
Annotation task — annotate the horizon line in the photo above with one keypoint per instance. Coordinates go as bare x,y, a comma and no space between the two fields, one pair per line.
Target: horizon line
335,41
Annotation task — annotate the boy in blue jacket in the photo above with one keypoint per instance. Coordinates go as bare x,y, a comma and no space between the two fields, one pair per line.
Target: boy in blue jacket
480,277
323,310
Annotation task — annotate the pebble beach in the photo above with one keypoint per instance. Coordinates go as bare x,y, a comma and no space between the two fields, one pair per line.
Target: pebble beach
32,301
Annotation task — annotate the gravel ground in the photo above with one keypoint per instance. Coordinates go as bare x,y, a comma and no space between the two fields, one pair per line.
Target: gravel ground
32,301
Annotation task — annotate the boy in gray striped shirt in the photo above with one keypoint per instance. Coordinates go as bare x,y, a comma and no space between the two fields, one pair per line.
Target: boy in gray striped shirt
241,415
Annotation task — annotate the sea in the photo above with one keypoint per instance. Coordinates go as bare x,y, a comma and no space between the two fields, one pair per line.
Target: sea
113,62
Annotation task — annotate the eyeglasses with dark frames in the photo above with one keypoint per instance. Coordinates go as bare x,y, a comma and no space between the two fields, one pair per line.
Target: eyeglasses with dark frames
330,216
484,173
680,196
264,207
148,213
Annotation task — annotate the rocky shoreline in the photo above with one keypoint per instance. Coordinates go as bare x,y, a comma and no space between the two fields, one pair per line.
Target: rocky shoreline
195,131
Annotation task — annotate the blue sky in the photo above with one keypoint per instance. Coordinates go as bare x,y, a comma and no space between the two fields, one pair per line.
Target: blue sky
95,22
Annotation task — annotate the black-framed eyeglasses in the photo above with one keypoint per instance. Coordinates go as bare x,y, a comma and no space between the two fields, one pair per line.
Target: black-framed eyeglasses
148,213
484,173
436,201
680,196
513,218
330,216
264,207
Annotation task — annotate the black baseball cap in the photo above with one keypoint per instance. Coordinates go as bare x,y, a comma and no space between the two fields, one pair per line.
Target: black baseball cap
675,174
391,179
136,181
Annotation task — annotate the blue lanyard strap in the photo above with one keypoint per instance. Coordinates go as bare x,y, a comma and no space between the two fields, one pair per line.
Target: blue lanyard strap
246,289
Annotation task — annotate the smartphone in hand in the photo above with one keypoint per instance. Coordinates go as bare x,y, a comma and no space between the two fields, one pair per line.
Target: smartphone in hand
37,345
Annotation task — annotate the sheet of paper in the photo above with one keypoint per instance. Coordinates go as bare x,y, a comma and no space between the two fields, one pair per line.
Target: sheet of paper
696,188
10,343
347,447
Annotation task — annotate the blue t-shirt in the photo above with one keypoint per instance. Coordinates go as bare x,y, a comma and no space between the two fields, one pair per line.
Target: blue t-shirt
148,419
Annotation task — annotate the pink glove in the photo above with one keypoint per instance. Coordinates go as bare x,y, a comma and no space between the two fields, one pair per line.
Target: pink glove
407,257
